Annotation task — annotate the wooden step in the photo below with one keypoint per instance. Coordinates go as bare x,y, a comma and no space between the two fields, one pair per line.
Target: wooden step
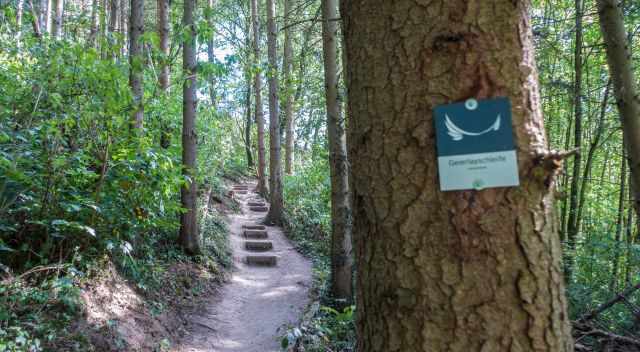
237,188
240,192
254,227
258,246
262,260
256,204
256,234
259,209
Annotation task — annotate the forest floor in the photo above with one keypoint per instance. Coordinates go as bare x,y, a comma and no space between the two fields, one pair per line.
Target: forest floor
251,312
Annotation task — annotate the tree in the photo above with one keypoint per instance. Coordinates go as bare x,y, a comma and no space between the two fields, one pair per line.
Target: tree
136,61
57,23
275,158
625,88
572,223
210,51
288,94
257,88
341,259
448,271
163,36
189,235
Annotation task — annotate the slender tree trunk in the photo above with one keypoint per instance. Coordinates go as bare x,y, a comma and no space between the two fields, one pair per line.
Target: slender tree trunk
124,25
93,31
189,236
47,17
448,271
163,36
619,225
113,16
275,158
624,84
288,103
257,88
211,55
629,239
136,60
58,19
37,32
572,230
247,127
341,260
595,144
19,11
42,13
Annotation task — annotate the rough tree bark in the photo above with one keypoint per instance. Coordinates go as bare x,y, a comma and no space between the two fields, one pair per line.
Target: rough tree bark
136,61
57,22
163,36
287,65
275,158
257,88
341,223
189,235
624,84
448,271
572,222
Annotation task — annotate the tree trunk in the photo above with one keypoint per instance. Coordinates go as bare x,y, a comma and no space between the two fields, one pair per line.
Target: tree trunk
247,127
625,89
572,222
57,19
136,61
619,225
19,11
42,13
47,17
124,25
93,31
595,144
275,158
257,88
341,260
288,103
448,271
163,36
189,236
211,56
113,16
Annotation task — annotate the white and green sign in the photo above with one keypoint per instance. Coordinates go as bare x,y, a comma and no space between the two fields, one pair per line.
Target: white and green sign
475,145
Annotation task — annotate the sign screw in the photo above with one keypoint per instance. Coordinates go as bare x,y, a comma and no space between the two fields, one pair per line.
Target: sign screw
471,104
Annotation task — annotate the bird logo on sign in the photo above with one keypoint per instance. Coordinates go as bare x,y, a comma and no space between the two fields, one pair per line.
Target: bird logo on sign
457,133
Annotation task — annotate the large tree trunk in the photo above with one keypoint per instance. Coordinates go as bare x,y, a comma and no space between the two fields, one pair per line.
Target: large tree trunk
572,222
136,61
189,236
257,88
288,102
624,84
341,224
58,18
163,36
448,271
275,158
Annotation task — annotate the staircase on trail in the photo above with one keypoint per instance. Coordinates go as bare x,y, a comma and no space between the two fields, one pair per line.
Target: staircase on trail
256,235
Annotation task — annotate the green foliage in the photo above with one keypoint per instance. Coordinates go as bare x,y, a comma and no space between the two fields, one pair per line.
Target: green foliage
329,330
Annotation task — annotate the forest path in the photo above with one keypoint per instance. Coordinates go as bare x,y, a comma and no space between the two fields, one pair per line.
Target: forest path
248,313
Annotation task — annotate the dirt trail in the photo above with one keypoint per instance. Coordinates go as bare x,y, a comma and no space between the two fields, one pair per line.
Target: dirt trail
251,309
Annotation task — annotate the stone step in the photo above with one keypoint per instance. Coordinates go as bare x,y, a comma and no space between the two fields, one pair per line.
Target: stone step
256,204
262,260
258,246
259,209
241,192
256,234
254,227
